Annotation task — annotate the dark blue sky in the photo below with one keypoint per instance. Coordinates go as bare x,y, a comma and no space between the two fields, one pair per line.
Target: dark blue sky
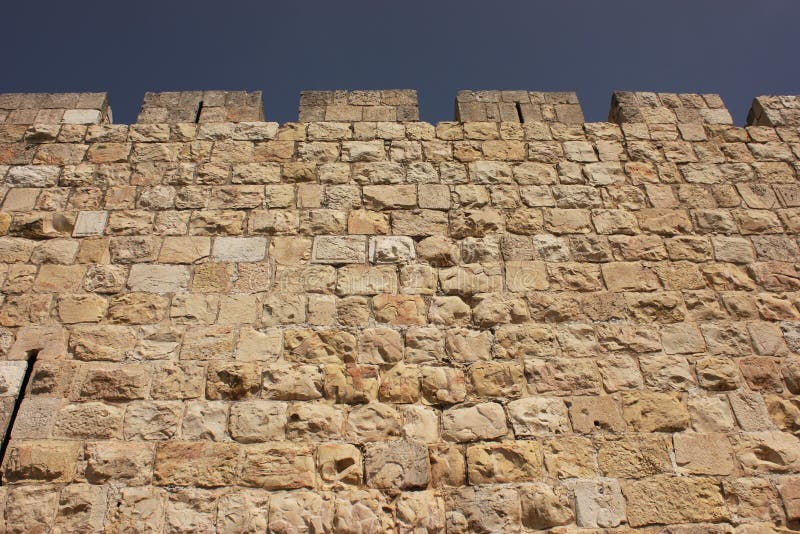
738,48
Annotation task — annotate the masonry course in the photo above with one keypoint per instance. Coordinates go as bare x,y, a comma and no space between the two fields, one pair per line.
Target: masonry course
365,323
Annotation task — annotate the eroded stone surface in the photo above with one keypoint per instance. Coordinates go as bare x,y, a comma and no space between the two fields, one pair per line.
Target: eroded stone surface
361,322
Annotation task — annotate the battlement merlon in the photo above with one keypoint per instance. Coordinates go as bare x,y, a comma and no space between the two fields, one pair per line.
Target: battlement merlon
54,108
388,105
202,107
774,111
518,106
668,108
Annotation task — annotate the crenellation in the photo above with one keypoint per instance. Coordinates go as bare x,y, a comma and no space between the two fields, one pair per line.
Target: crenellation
384,325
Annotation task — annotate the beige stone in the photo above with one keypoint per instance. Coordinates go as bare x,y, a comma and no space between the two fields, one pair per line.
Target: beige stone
339,464
199,463
598,503
483,509
482,421
654,412
503,462
278,466
544,507
117,461
41,461
397,465
665,499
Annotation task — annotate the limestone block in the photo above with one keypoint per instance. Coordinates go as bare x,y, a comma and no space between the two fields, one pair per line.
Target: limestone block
503,462
482,421
40,461
483,509
598,503
595,414
391,249
198,463
314,421
654,412
544,507
257,421
339,249
301,511
533,416
90,223
204,420
634,457
278,466
339,464
117,461
152,420
397,465
93,420
665,499
373,422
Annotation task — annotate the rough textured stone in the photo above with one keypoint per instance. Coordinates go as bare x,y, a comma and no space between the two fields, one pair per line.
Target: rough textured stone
665,499
361,322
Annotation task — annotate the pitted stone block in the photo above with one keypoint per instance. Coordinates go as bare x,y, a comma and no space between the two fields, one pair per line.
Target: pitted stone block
387,105
202,107
518,106
775,111
667,108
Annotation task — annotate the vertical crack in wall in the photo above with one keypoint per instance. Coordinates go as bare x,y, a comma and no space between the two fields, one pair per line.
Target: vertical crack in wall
199,111
519,111
30,361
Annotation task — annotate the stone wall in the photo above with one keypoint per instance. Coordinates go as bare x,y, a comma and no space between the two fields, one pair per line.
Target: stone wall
401,327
